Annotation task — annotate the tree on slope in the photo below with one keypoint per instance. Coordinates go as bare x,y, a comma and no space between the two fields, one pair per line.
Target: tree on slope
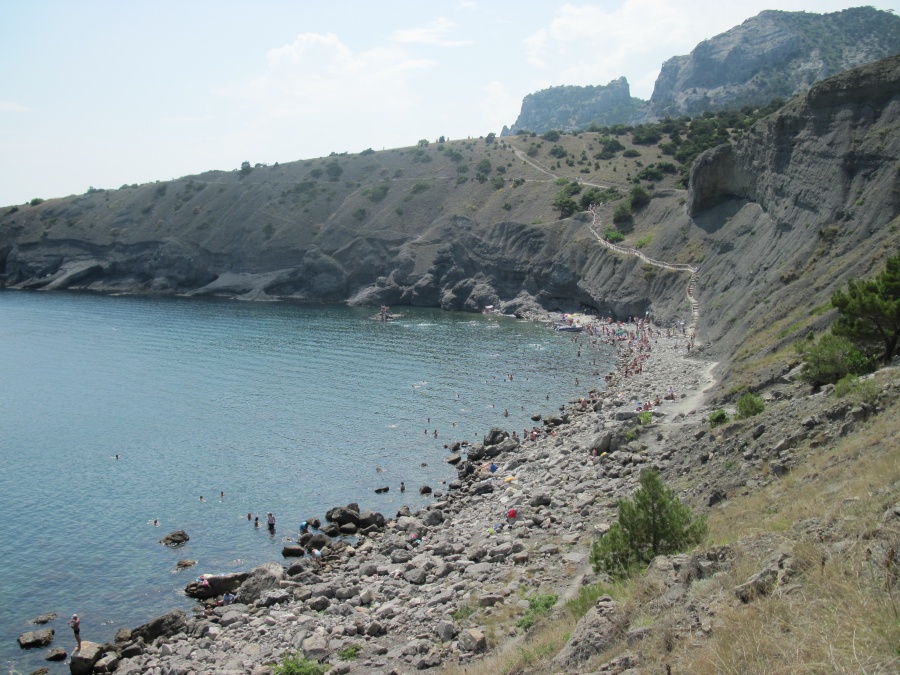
654,523
870,310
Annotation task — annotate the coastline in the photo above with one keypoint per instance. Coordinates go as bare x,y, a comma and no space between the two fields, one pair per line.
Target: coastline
396,596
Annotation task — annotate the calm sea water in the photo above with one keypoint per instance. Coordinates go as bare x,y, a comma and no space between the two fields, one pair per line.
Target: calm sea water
284,408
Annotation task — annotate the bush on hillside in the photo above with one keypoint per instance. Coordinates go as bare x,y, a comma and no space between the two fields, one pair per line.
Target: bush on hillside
831,358
638,197
653,523
297,664
622,212
750,405
718,418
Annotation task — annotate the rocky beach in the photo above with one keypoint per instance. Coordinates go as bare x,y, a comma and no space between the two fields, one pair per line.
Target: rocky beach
392,594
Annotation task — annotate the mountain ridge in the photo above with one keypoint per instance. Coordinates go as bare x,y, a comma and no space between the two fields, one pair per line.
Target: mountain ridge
775,54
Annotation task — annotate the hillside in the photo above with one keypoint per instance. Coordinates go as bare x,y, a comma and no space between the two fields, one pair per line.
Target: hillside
773,55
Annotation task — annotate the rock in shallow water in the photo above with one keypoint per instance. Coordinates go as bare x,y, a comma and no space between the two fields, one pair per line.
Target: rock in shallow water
36,638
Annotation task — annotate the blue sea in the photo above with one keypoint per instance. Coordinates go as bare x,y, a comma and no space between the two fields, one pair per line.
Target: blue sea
285,408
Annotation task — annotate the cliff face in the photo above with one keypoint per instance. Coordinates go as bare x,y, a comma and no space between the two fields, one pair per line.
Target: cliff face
773,55
568,108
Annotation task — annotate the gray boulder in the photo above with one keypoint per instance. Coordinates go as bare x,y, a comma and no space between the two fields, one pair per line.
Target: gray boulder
215,585
165,625
264,578
175,539
495,436
83,660
598,630
36,638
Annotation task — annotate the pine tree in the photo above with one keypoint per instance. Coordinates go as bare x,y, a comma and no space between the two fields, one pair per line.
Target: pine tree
654,523
870,310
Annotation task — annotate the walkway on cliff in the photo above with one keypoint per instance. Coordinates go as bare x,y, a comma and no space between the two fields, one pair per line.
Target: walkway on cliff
622,250
674,267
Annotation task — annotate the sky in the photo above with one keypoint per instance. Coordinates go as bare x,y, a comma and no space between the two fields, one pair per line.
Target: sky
105,93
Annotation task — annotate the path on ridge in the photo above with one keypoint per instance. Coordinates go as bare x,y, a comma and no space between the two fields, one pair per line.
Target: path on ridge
623,250
674,267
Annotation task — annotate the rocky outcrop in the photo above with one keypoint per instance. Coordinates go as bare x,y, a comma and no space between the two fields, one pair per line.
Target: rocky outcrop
843,123
36,638
772,55
166,625
175,539
568,108
83,660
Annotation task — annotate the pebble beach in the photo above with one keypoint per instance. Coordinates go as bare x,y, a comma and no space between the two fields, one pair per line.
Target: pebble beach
398,595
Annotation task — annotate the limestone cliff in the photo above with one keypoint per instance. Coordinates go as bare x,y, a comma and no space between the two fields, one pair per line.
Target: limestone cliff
568,108
773,55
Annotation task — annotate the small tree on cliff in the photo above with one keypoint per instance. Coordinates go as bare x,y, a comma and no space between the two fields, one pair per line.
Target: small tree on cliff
870,311
654,523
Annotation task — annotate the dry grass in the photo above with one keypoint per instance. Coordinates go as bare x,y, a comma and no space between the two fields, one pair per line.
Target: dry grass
839,611
842,616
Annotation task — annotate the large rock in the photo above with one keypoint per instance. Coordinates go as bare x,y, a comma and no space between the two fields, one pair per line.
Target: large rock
598,630
165,625
315,647
56,654
495,436
36,638
472,640
264,578
341,515
83,660
215,586
369,519
175,539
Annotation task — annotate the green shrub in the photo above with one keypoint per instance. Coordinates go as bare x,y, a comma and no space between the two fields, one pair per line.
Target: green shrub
645,417
551,136
376,193
497,182
638,197
631,152
349,653
718,418
654,522
359,214
622,212
419,187
36,201
538,605
643,241
857,390
749,405
630,435
297,664
613,236
831,358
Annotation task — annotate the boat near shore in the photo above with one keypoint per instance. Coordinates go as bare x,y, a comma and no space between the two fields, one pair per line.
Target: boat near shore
567,328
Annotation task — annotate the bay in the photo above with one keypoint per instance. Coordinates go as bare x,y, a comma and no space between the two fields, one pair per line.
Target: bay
284,408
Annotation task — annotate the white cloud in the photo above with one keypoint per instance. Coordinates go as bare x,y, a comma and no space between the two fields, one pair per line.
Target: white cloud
9,106
430,34
498,106
318,73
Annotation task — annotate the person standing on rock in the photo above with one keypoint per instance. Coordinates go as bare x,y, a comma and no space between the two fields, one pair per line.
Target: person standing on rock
75,624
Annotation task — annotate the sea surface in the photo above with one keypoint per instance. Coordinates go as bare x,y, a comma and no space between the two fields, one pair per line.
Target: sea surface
285,408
